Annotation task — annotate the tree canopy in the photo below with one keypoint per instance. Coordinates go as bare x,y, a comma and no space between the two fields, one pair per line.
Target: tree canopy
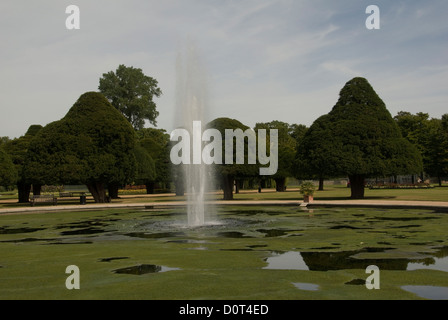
93,145
156,143
287,145
132,93
430,136
227,173
17,149
8,172
145,166
358,138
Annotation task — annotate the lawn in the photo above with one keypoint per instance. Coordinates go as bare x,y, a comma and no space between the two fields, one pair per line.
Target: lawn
256,253
330,193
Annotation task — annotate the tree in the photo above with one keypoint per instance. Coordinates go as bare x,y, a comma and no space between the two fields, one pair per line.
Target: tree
145,166
132,93
436,150
360,138
430,136
156,143
17,150
228,173
4,140
286,150
93,145
8,172
312,161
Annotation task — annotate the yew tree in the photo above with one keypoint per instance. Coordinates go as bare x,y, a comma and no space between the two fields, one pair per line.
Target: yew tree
8,172
228,173
286,150
156,143
358,138
17,149
92,145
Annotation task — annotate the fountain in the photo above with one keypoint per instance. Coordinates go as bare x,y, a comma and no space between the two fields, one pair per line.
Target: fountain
191,99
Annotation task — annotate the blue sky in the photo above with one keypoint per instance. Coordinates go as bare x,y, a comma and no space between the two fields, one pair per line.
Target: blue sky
265,59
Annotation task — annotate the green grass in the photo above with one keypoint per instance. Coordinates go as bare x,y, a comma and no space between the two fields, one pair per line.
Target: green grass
342,192
36,249
330,193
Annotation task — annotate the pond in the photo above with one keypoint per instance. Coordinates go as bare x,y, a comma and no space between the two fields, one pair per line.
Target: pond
260,252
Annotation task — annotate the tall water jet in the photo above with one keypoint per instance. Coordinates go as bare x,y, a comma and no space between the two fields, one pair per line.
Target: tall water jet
191,100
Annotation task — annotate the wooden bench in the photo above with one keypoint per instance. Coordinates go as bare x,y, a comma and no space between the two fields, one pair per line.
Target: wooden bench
46,198
65,194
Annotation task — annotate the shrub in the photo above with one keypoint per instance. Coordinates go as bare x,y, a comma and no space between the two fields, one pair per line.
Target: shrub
307,188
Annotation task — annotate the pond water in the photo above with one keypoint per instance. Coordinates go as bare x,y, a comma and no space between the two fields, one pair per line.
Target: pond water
325,261
306,286
144,269
289,246
428,292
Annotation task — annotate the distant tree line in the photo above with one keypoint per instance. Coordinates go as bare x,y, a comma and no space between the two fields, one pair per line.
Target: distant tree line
101,142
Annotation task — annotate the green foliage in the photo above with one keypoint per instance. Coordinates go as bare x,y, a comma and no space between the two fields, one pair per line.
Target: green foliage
436,149
235,170
430,136
131,92
156,143
307,189
93,144
4,140
312,159
145,166
286,146
18,148
357,138
8,172
227,173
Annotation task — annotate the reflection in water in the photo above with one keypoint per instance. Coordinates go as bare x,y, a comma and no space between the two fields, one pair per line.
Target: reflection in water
438,262
306,286
287,261
428,292
144,269
325,261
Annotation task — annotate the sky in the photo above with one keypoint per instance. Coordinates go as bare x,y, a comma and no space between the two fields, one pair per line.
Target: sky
265,60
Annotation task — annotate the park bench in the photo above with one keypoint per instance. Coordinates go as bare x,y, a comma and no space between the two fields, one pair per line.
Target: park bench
76,192
46,198
65,194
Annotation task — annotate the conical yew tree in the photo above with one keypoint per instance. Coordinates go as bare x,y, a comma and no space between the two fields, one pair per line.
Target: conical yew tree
361,140
92,145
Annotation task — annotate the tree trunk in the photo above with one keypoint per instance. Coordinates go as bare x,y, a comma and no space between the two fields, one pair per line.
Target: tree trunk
150,187
321,184
98,191
179,185
280,184
37,188
227,187
357,186
113,191
24,190
440,180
